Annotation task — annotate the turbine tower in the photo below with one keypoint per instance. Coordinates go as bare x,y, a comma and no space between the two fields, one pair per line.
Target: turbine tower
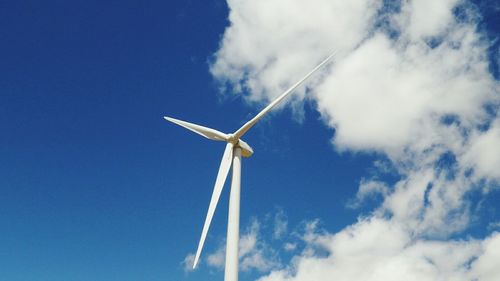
235,149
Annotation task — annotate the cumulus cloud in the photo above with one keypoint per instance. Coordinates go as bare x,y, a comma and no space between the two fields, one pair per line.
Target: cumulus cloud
412,83
267,46
483,153
380,249
485,268
426,18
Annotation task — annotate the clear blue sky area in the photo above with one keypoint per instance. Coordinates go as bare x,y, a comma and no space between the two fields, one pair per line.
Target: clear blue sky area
96,185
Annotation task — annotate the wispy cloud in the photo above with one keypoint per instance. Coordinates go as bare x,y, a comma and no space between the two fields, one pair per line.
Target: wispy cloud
254,251
217,258
187,263
280,224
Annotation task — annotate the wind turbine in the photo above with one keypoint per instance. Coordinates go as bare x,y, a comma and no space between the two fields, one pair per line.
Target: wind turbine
235,148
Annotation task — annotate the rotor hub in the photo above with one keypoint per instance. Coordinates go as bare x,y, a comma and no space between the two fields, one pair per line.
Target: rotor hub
232,139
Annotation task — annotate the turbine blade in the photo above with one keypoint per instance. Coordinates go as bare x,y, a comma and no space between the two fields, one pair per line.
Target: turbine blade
208,133
241,131
225,165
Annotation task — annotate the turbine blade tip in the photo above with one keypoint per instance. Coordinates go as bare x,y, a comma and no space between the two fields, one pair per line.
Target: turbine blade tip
170,119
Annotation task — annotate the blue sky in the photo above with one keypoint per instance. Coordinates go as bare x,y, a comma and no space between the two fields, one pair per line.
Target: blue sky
95,185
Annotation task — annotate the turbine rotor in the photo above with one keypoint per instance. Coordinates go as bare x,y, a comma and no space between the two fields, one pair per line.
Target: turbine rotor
234,143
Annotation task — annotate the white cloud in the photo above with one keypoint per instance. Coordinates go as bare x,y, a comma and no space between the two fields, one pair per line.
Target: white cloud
217,258
484,153
254,252
378,249
412,83
288,246
391,96
266,46
280,224
486,268
426,18
494,225
187,263
429,203
368,189
248,241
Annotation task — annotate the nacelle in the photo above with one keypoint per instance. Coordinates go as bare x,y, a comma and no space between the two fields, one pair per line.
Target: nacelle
246,150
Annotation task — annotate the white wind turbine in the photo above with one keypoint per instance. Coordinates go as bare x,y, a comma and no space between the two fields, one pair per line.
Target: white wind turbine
235,148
